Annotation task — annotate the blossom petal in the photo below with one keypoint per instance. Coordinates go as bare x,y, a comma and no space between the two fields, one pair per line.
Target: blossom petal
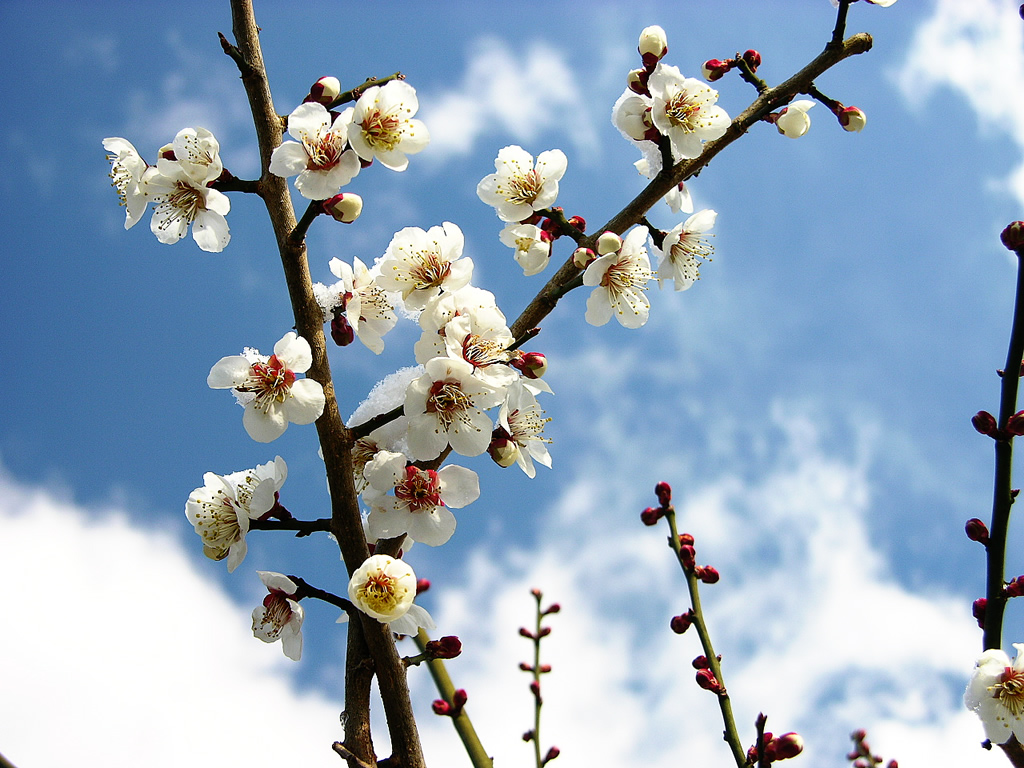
228,372
306,403
264,427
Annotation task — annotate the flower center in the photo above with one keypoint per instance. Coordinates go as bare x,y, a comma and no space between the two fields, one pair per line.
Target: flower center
691,245
270,381
277,614
381,130
481,352
623,274
527,424
218,525
323,152
1010,691
448,401
181,203
683,111
120,178
378,592
420,490
524,187
431,271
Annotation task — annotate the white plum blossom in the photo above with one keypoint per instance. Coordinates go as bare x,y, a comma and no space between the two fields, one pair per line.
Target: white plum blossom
280,616
619,279
483,347
381,125
519,187
684,247
319,156
445,406
632,116
384,588
405,499
996,694
532,246
419,264
678,198
684,110
127,172
523,421
221,510
794,121
269,389
197,151
469,300
179,200
366,305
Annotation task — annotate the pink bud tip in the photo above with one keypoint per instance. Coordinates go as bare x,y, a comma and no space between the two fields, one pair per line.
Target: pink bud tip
664,493
651,516
707,681
525,667
1013,236
551,755
708,575
984,422
978,610
536,593
526,633
752,58
786,746
448,647
685,540
553,608
441,707
460,697
687,556
544,669
977,530
579,222
682,622
422,585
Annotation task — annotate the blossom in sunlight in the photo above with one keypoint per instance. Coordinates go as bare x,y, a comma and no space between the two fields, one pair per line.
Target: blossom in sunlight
445,406
485,347
852,119
269,389
221,510
179,200
532,246
794,121
365,304
523,420
384,588
381,125
280,616
406,499
619,279
683,249
419,264
319,158
476,303
995,693
197,152
519,187
684,110
632,116
127,172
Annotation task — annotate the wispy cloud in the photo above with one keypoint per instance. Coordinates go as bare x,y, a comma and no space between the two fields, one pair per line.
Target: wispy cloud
976,49
521,94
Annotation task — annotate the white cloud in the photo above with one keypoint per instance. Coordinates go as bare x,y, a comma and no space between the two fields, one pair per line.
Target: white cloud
116,652
521,93
976,49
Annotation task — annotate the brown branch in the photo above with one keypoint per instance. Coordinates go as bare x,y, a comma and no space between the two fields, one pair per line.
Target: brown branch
660,185
301,527
335,439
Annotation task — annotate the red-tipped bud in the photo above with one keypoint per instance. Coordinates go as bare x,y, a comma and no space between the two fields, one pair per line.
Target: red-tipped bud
551,755
1015,588
1015,424
784,747
544,632
528,736
976,530
753,59
985,423
525,667
503,450
536,593
553,608
544,668
535,688
707,574
441,707
685,540
892,764
682,622
523,631
166,152
852,119
651,516
715,69
579,222
324,91
448,647
687,556
707,681
653,46
582,257
341,331
664,493
701,662
422,585
1013,236
459,698
636,81
978,608
345,207
608,242
533,365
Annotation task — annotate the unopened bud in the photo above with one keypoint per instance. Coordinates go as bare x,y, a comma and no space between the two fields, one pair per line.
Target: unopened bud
533,365
715,69
852,119
544,668
166,152
341,331
978,608
707,681
579,222
607,243
526,633
551,755
785,746
447,647
977,530
984,422
441,707
685,540
459,698
653,45
324,91
525,667
688,557
345,207
682,622
536,593
651,516
582,257
1015,588
528,736
1013,236
422,585
503,450
535,688
544,632
553,608
1015,424
752,59
636,81
701,662
664,493
708,575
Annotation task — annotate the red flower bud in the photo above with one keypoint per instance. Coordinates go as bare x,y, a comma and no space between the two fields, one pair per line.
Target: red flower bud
422,585
978,610
448,647
753,59
685,540
651,516
535,688
985,423
708,575
544,668
701,662
341,331
687,557
503,450
459,698
324,91
1013,236
682,622
536,593
579,222
553,608
852,119
785,746
653,46
636,81
526,633
977,530
664,493
345,207
551,755
707,681
715,69
528,736
441,707
544,632
1015,424
533,365
1015,588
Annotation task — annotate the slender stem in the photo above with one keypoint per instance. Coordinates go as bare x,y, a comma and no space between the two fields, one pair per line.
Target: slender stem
731,734
5,763
538,700
1002,498
463,725
840,29
356,92
335,439
314,209
362,430
301,527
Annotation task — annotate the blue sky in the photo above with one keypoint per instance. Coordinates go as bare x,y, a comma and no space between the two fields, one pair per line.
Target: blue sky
809,398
